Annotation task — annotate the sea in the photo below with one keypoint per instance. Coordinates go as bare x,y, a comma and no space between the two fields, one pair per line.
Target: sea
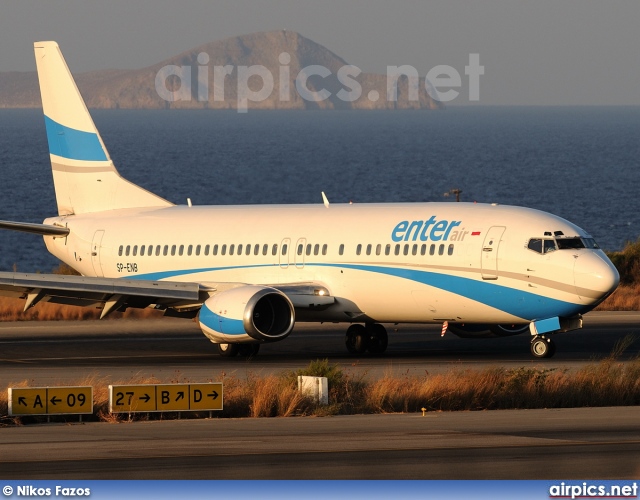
581,163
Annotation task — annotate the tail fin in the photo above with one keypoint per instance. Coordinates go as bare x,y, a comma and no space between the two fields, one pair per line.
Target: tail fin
84,176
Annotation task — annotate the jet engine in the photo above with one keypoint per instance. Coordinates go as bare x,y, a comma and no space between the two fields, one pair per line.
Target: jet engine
247,314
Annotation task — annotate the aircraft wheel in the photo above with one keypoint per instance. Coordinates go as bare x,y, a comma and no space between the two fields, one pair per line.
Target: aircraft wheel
378,339
228,350
248,350
542,347
356,339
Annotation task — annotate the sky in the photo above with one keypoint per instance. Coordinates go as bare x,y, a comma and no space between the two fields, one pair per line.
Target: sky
542,52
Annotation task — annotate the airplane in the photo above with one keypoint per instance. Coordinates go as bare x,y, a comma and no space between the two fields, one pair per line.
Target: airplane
248,274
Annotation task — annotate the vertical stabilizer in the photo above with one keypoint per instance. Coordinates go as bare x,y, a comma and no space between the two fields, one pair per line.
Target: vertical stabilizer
84,176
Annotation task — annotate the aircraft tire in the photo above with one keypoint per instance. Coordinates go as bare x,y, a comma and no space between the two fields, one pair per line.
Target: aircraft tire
356,339
378,339
228,350
542,347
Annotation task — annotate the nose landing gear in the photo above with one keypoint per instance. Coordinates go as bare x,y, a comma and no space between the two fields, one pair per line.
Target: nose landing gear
542,347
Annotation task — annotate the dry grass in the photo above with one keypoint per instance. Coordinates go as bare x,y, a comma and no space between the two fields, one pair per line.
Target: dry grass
12,310
606,383
625,298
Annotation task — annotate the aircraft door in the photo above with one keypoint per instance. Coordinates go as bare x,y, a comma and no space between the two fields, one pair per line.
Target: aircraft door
300,252
284,253
489,257
95,253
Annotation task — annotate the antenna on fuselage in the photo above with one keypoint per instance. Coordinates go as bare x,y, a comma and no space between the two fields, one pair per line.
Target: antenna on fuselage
325,200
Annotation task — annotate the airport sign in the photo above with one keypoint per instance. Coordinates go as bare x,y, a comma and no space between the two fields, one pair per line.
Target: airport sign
50,400
165,397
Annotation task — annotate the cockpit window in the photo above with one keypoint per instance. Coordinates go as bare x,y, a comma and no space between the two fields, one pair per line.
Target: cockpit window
535,244
570,243
540,245
547,245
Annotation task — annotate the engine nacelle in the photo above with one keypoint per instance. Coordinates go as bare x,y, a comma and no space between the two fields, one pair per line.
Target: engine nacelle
247,314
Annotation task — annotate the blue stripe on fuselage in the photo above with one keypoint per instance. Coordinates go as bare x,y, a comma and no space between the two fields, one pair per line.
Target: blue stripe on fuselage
519,303
510,300
73,144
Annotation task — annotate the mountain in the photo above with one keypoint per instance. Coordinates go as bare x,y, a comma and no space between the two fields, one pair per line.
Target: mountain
136,89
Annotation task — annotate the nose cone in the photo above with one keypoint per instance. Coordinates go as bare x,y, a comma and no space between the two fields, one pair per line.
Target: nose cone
595,277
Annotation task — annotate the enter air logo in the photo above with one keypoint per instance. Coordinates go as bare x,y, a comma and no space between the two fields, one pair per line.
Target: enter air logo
430,230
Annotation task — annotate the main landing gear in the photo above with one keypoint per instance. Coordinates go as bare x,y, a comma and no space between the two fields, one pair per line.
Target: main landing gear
244,350
542,347
372,338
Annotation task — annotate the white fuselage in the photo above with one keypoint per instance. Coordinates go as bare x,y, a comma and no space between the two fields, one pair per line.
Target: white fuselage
419,262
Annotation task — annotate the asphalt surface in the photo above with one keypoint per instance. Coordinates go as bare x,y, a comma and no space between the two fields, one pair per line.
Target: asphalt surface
525,444
48,353
595,443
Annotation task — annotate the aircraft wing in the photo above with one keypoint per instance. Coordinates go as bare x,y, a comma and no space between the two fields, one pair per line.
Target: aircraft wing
26,227
119,293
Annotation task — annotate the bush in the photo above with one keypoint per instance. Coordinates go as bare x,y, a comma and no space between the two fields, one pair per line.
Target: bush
628,263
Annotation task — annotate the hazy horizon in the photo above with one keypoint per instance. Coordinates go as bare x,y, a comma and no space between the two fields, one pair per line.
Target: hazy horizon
550,52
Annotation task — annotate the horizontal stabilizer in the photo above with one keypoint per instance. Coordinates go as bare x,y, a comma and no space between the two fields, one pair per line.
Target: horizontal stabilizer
43,229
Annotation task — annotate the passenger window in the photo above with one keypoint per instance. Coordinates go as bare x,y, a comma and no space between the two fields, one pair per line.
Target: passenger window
274,250
378,249
223,250
142,250
120,250
239,249
197,249
173,250
341,249
135,250
387,249
265,249
181,250
300,247
157,250
166,250
215,250
126,252
232,249
284,249
189,249
316,249
308,249
450,251
441,250
414,250
432,249
406,249
358,249
423,249
397,251
256,249
369,249
324,249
